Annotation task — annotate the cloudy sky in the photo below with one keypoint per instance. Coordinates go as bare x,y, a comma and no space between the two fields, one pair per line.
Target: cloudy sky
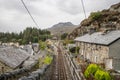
14,17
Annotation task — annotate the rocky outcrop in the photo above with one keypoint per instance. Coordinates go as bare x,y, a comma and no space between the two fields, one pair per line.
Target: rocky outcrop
104,20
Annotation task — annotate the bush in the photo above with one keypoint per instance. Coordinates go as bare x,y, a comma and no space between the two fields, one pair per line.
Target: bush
74,50
47,60
102,75
97,72
66,41
71,41
95,15
42,45
91,70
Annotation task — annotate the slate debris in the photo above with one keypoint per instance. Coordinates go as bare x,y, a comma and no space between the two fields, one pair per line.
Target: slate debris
13,74
36,75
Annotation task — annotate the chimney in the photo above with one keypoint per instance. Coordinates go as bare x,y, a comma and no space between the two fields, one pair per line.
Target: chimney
105,31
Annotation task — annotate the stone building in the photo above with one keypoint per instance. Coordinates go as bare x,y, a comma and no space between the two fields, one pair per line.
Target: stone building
28,48
101,48
35,47
11,58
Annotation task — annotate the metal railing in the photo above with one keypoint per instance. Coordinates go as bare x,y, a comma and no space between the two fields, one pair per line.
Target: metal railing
75,71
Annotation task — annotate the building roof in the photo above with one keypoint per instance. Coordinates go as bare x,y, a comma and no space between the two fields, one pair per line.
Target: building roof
29,49
99,38
12,57
35,44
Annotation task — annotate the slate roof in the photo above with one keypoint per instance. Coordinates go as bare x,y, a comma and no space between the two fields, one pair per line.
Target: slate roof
99,38
29,49
12,57
35,44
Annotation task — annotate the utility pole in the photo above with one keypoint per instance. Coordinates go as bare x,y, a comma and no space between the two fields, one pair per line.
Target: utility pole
83,8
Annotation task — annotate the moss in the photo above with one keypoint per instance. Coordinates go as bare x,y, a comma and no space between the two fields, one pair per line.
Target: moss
95,15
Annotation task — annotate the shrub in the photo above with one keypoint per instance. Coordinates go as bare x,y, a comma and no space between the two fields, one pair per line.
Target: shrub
91,70
66,41
71,41
97,72
95,15
102,75
47,60
74,50
42,45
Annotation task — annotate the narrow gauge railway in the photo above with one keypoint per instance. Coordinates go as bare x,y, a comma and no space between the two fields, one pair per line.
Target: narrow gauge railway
58,68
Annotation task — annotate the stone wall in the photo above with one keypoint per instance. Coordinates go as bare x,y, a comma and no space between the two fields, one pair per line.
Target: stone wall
116,64
95,53
115,54
4,68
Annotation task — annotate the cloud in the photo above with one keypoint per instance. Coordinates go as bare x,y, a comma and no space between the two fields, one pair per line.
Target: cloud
14,17
70,6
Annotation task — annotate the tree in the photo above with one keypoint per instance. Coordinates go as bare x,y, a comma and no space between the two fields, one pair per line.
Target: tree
24,37
35,39
64,35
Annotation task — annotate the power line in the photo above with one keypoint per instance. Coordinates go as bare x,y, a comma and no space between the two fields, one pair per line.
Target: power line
29,13
31,17
83,8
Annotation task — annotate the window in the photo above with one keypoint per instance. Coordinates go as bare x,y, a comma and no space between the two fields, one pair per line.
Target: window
95,59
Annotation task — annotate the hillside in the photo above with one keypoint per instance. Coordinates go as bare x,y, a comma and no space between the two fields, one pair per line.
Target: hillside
60,28
105,20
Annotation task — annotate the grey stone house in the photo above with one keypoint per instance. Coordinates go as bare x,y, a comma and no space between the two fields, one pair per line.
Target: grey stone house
101,48
11,58
35,47
28,48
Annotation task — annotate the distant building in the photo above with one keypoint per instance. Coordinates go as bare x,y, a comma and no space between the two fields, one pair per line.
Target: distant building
5,44
21,46
54,38
49,42
11,44
11,58
35,47
28,49
101,48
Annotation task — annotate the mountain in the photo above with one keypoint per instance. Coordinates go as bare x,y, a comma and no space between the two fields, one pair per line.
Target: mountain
105,21
62,27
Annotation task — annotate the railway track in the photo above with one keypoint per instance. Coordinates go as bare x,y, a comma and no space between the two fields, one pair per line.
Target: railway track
58,68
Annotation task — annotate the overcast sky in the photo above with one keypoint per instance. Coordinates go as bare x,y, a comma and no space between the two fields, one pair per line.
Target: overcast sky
14,17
